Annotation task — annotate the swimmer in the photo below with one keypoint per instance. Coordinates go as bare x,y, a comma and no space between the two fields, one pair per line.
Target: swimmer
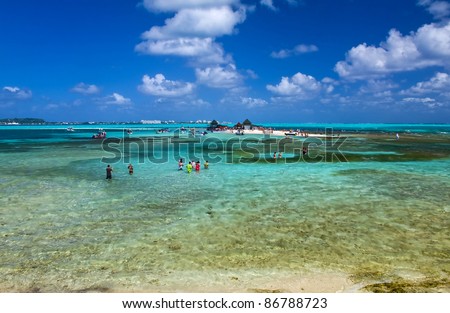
197,166
206,165
180,165
130,169
189,167
109,172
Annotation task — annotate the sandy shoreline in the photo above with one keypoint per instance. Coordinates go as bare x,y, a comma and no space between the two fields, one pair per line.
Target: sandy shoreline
255,281
281,283
244,282
278,133
223,281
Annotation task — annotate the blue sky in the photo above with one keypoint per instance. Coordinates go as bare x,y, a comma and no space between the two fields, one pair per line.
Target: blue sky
267,60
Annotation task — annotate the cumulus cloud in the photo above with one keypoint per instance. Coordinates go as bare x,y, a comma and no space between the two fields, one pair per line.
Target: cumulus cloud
117,99
198,22
439,9
16,93
218,76
85,89
299,49
205,50
162,87
299,85
439,83
429,46
192,31
251,103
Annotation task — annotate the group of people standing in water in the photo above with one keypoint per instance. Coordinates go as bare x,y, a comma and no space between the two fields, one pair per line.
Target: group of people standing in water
189,167
109,170
192,165
280,155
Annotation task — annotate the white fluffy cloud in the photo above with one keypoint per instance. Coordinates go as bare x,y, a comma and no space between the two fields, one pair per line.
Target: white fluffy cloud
218,76
85,89
192,31
117,99
162,87
439,83
429,46
433,41
299,85
204,49
439,9
198,22
16,93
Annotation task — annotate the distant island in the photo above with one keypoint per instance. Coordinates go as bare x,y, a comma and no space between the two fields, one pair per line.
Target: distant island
39,121
26,120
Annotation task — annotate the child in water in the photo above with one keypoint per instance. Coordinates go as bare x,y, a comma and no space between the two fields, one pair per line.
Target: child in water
197,166
189,167
206,164
130,169
180,165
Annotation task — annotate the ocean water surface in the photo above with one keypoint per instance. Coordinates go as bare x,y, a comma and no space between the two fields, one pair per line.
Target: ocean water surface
373,209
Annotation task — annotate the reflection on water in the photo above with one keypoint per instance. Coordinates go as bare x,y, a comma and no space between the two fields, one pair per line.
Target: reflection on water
381,219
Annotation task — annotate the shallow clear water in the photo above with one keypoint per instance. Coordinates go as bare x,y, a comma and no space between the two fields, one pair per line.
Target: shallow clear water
380,217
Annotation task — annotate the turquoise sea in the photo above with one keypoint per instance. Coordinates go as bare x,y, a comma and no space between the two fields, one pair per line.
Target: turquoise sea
363,208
